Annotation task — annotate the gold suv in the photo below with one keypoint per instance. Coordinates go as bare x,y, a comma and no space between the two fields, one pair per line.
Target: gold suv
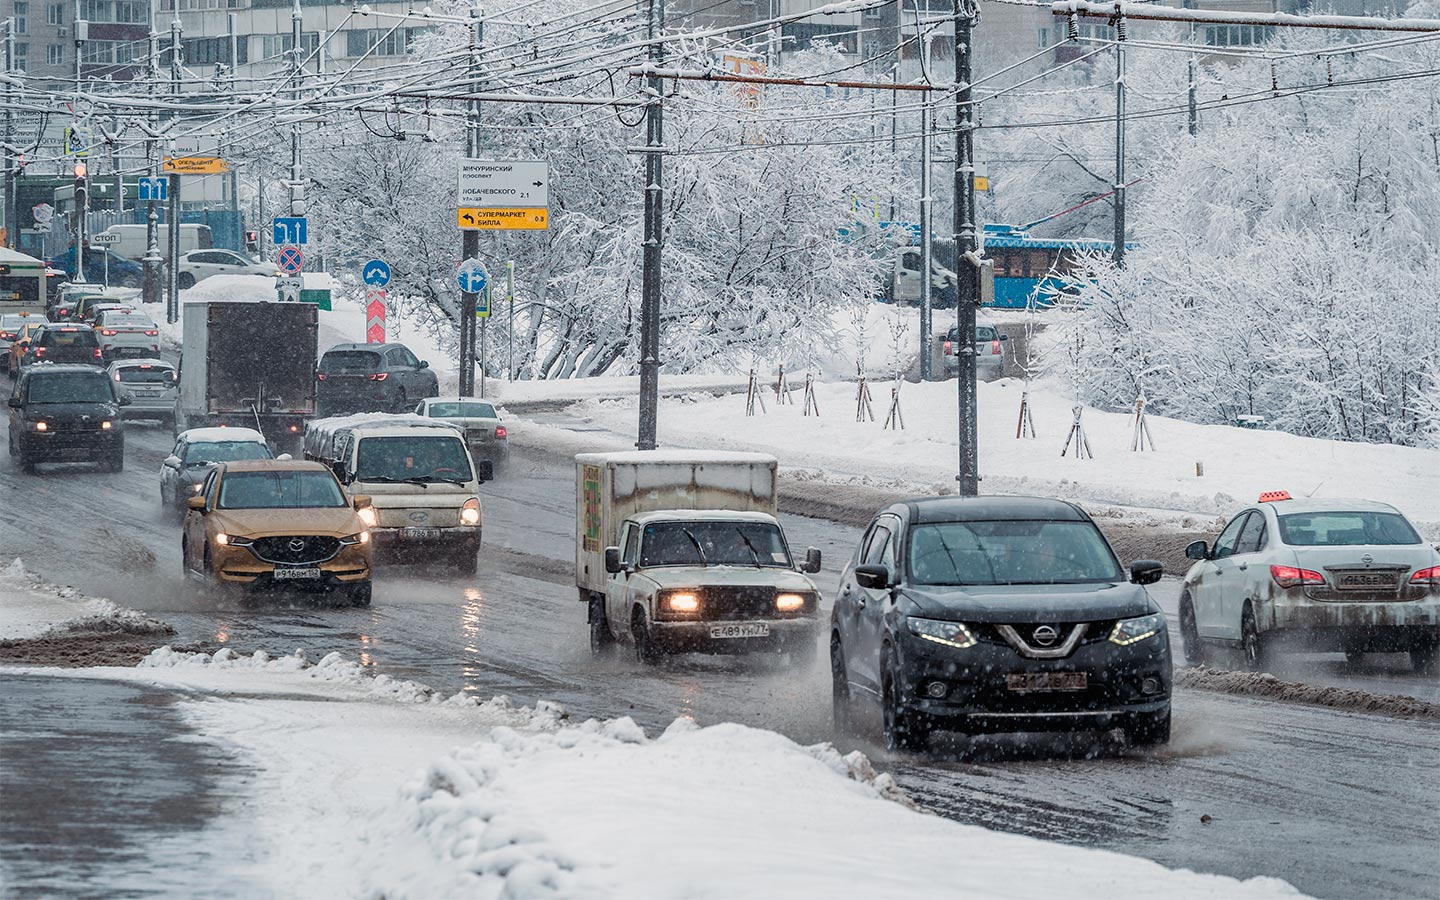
266,523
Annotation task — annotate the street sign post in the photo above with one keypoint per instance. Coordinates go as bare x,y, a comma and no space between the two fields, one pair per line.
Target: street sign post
504,183
154,189
290,230
471,276
471,218
375,273
290,259
44,212
105,237
375,316
289,287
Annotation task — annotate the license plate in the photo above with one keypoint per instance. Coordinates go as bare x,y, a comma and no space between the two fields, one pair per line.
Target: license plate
1366,581
746,630
295,574
420,534
1046,681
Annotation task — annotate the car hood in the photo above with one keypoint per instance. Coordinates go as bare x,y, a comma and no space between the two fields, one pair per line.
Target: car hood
728,576
255,523
1033,603
72,411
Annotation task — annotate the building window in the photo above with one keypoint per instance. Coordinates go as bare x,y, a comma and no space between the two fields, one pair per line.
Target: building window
1236,35
1044,38
55,14
802,35
22,57
22,16
215,50
55,54
273,47
391,43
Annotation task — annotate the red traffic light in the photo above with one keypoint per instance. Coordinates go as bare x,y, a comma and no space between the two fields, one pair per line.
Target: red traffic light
79,170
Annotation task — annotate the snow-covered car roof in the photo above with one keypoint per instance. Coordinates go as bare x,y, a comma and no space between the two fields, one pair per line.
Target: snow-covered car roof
1327,504
702,515
216,435
675,457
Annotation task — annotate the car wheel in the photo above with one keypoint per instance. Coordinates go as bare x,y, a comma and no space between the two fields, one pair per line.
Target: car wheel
186,281
904,728
466,559
360,594
1253,644
1423,659
645,649
115,461
601,640
1190,633
1150,729
1354,657
840,703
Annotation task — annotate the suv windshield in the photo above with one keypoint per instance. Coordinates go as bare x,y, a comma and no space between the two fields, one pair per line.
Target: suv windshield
224,451
344,361
714,544
68,337
435,458
280,490
466,410
1345,529
1011,552
70,387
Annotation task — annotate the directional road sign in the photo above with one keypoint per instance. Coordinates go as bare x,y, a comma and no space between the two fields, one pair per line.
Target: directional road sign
290,259
471,276
105,237
375,273
375,316
291,230
195,165
504,183
518,219
156,188
289,287
44,212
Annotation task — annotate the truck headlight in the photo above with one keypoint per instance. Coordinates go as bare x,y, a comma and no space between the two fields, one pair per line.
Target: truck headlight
789,602
682,602
106,425
951,634
470,512
1131,631
368,516
42,426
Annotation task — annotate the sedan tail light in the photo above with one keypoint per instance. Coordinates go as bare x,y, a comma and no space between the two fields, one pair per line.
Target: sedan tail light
500,431
949,349
319,376
7,336
39,352
995,347
99,354
1430,576
380,377
109,332
1290,576
155,333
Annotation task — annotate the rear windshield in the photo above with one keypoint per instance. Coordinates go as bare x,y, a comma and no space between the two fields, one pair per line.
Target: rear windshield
70,387
462,411
280,490
66,338
1346,529
985,333
124,321
224,451
350,361
145,375
14,323
1011,552
413,459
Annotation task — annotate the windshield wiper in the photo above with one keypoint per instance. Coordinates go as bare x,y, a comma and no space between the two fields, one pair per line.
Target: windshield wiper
420,479
754,554
698,549
386,479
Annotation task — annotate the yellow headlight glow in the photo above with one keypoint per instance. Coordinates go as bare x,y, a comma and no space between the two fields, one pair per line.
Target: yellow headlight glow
368,516
41,426
789,602
222,538
683,602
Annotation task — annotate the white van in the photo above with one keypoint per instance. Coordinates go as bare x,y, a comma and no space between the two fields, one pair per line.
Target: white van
422,483
133,244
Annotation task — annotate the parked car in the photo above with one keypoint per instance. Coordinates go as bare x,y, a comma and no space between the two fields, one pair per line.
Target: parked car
63,343
64,412
998,614
101,267
15,357
197,451
486,437
269,523
126,334
11,324
197,265
371,378
153,383
1329,575
989,351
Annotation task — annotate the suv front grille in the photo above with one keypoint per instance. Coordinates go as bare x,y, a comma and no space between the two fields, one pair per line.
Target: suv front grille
295,550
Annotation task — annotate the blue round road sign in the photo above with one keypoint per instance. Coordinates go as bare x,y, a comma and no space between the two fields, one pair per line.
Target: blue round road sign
471,276
376,273
290,259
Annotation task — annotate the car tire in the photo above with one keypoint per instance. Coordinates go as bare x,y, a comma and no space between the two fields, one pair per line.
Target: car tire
904,729
467,559
359,595
114,461
841,705
1253,645
645,649
1354,657
1149,730
185,280
1190,633
1423,659
602,642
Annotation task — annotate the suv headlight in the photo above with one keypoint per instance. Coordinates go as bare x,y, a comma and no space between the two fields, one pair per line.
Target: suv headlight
368,516
359,537
1131,631
951,634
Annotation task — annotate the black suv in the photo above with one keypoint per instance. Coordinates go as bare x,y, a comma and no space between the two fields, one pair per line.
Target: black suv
64,343
371,378
64,412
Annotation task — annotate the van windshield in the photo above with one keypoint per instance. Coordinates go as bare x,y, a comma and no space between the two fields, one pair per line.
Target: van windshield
415,460
735,543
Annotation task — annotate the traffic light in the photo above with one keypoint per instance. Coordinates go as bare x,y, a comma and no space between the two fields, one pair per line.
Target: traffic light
252,241
80,186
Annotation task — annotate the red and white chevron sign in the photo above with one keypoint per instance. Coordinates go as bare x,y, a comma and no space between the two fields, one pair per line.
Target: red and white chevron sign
374,317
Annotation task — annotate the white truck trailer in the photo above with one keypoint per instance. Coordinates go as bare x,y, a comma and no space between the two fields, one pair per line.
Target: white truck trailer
681,551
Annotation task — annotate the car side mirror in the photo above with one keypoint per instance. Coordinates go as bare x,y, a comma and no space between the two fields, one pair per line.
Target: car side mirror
126,399
424,364
340,474
484,471
172,462
812,561
1004,337
612,561
16,403
872,577
1146,571
1197,550
196,503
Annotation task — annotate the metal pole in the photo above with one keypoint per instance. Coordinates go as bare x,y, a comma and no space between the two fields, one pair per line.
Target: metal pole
654,238
297,187
1118,253
927,258
895,97
510,295
81,31
172,217
967,294
115,167
12,230
234,47
1194,120
470,240
484,347
150,292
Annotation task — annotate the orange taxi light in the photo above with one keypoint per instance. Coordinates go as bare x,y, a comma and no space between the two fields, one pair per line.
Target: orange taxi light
1272,496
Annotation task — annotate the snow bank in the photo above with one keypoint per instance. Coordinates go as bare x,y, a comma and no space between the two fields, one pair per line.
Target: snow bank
31,609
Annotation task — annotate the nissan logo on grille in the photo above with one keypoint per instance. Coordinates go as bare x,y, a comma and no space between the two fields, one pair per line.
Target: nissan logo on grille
1045,635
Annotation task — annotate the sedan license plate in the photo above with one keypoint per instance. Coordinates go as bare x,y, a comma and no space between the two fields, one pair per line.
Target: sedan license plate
296,574
746,630
1367,581
420,534
1046,681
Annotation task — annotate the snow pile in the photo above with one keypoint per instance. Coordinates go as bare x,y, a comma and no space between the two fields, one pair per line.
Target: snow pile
33,609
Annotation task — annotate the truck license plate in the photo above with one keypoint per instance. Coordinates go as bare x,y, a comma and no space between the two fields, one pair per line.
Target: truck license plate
746,630
295,574
1046,681
420,534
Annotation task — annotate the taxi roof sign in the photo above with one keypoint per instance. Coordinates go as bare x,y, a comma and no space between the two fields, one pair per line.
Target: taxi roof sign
1272,496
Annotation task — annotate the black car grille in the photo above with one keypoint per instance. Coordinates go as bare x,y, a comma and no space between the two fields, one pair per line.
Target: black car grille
295,550
1097,633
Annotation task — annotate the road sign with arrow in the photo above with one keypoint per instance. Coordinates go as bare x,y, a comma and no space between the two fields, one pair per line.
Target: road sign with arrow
376,273
471,276
474,219
500,183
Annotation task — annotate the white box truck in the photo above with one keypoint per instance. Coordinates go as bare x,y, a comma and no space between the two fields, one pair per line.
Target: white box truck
681,552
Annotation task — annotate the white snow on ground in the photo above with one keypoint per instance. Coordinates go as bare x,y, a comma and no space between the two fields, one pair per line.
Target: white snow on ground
375,788
31,608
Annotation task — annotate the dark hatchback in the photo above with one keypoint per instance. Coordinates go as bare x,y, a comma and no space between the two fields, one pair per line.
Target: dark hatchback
66,413
354,378
998,614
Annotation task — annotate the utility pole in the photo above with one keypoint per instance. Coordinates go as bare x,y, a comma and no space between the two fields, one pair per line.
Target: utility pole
927,256
654,236
12,230
470,239
297,187
1194,121
1118,253
115,168
172,218
898,33
967,245
150,292
510,330
81,32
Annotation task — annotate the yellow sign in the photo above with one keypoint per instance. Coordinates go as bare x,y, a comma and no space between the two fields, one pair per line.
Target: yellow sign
982,182
195,165
471,219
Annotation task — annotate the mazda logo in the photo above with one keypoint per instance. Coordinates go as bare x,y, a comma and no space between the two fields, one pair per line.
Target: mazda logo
297,544
1045,635
419,515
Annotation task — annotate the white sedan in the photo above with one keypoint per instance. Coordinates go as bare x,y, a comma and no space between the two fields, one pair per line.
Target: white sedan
197,265
125,333
1320,575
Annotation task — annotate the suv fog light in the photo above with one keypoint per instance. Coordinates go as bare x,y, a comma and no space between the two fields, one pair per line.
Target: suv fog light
1151,685
937,689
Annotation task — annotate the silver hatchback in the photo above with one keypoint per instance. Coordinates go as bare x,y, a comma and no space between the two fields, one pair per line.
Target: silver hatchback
153,383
